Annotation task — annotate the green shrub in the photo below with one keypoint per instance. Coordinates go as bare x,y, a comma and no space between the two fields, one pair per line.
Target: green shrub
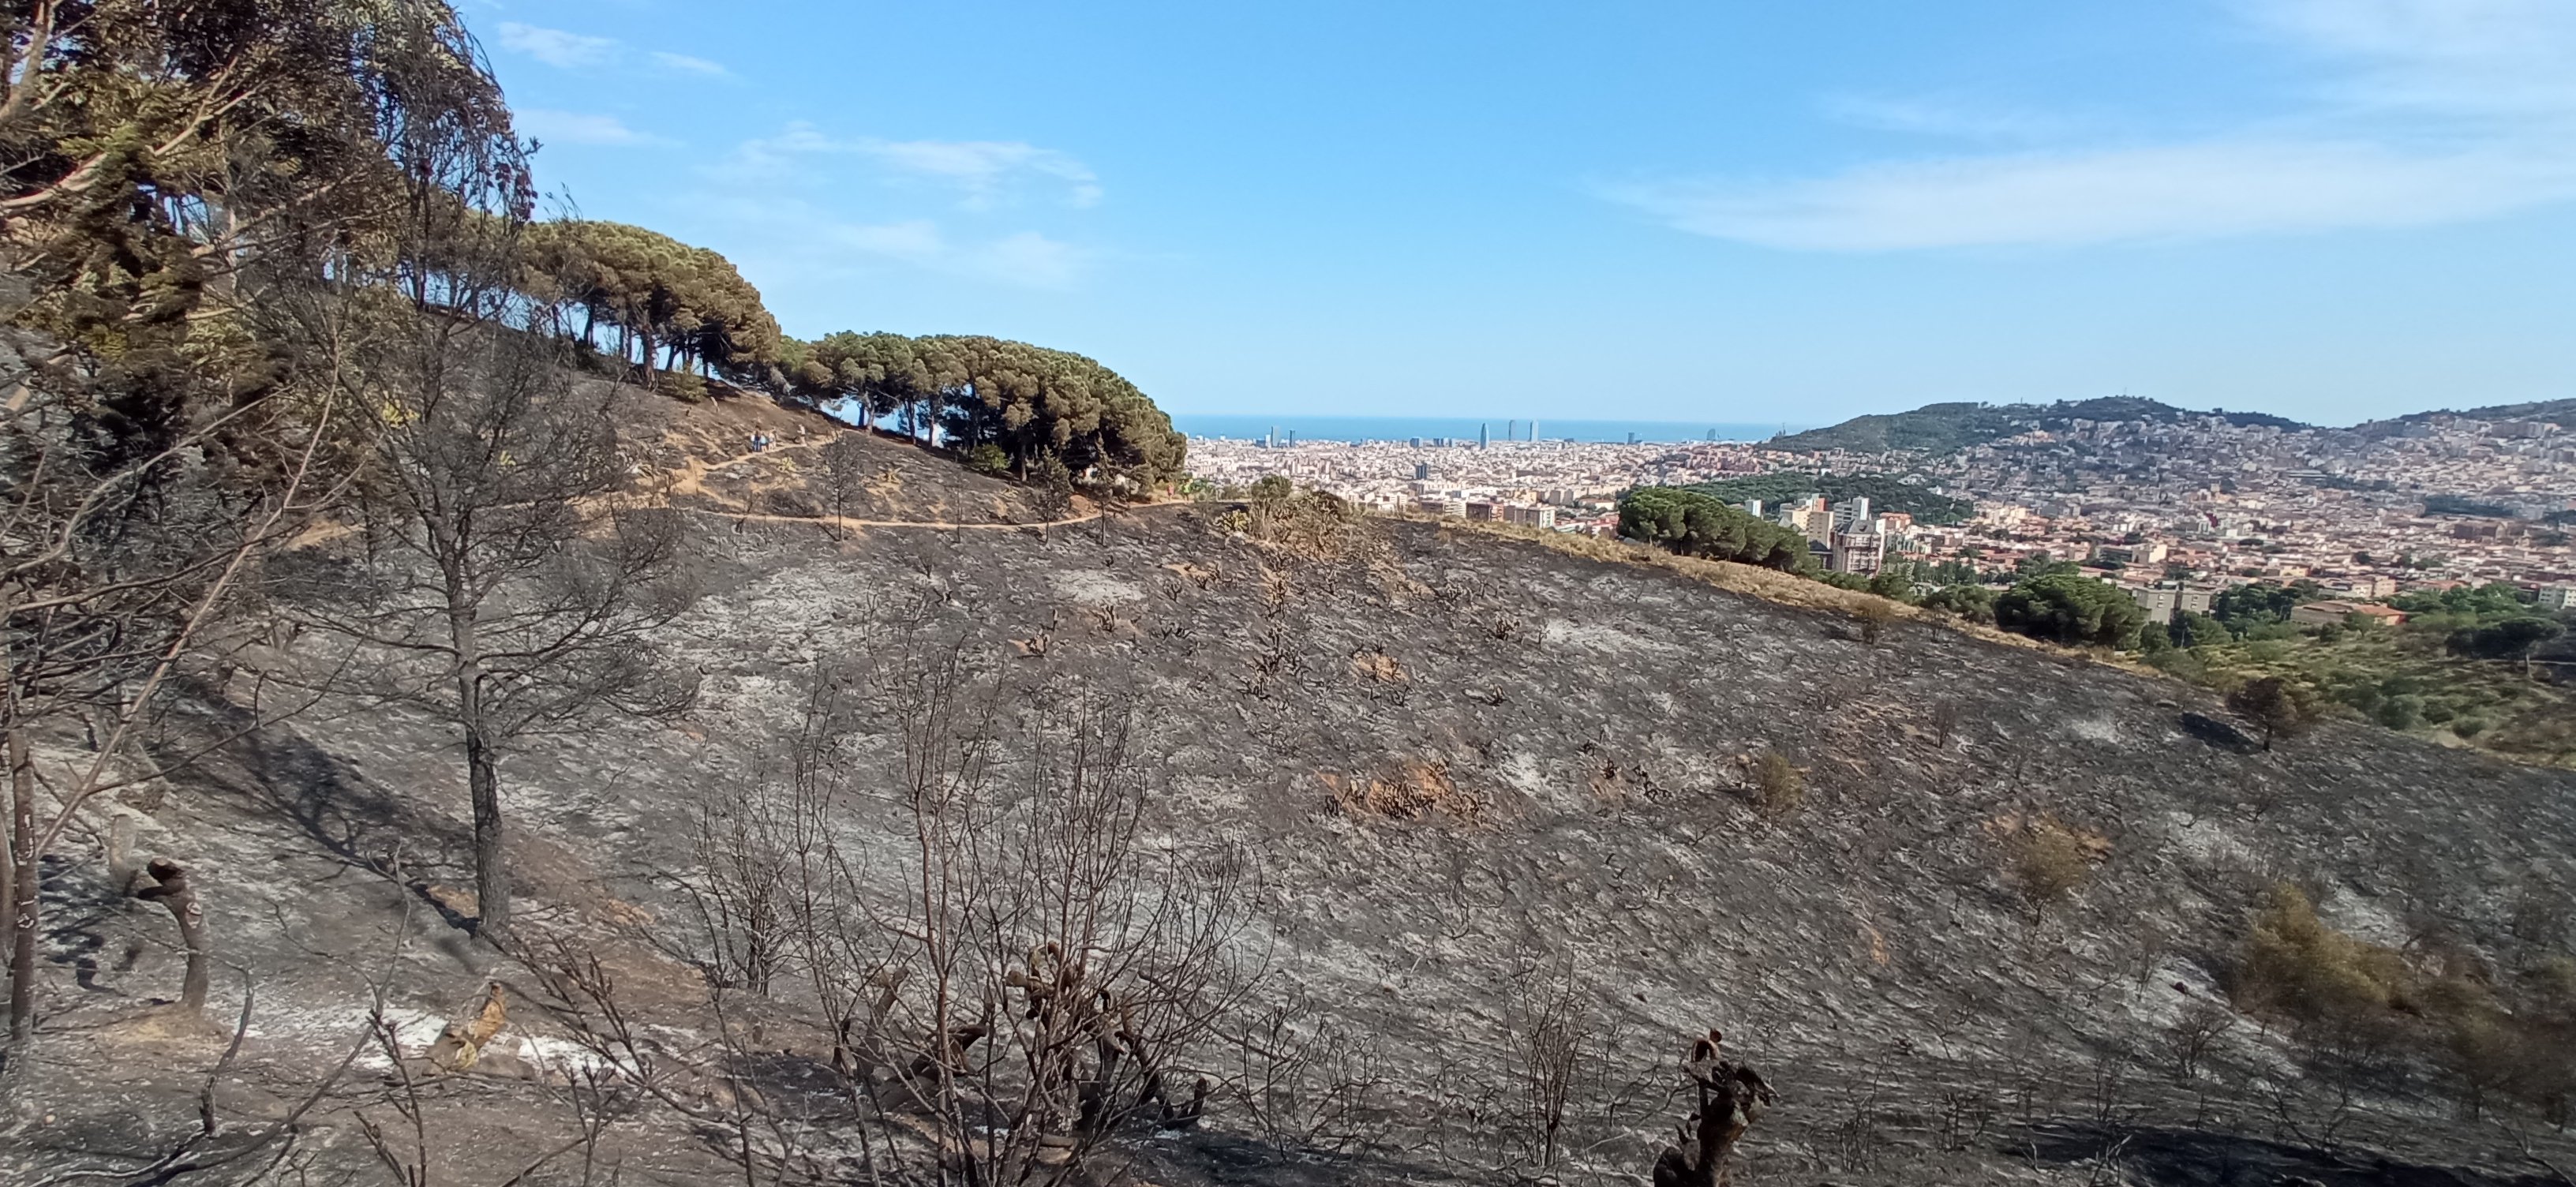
1975,603
1778,788
2180,663
2295,966
2281,708
988,458
2077,611
1694,524
2047,862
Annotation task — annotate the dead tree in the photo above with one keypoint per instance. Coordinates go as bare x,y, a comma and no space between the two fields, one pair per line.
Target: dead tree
1732,1097
499,581
158,430
846,471
1040,916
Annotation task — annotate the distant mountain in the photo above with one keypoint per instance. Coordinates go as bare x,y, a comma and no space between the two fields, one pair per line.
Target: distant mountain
1940,428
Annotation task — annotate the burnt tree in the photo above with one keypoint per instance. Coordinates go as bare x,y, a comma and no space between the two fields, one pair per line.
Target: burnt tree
1732,1097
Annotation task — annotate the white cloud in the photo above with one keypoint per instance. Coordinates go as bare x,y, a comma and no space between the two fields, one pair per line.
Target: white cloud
572,127
984,169
2432,111
689,65
579,51
2186,191
809,238
2464,57
557,48
994,205
983,173
1024,259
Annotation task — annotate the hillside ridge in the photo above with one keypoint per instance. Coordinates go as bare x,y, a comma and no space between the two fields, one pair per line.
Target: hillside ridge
1940,428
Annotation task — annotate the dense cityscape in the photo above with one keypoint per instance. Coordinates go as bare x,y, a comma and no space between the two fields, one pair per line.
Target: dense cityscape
2188,507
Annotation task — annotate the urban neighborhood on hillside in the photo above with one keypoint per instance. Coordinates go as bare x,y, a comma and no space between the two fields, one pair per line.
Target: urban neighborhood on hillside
2172,512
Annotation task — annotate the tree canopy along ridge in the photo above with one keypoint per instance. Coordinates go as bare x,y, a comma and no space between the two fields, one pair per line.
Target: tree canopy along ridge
1004,405
1940,428
670,305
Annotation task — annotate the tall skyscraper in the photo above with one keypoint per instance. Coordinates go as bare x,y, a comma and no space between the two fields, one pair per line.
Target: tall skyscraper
1483,439
1533,431
1511,430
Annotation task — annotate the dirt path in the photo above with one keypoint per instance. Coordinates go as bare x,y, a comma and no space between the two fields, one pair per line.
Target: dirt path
847,522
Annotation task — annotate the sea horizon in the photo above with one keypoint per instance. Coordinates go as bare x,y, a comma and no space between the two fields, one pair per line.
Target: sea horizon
1241,427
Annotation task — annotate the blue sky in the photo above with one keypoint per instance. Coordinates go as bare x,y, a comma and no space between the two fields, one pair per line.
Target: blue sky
1744,211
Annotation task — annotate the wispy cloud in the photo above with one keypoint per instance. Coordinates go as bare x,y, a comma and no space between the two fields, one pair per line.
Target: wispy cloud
985,170
555,47
1020,259
1946,116
572,127
689,65
2189,191
2429,111
961,208
566,50
982,173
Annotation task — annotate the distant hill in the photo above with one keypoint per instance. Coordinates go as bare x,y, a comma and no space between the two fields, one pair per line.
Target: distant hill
1940,428
2562,412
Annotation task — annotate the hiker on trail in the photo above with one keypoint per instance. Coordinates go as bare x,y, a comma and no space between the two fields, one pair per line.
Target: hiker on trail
759,442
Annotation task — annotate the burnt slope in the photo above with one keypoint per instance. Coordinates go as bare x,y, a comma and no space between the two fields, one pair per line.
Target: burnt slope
1590,723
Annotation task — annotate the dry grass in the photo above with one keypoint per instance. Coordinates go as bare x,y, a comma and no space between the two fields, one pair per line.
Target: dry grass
1873,617
1377,665
1770,585
1413,790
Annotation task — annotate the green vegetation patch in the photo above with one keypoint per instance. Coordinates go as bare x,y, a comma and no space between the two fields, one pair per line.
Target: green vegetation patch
1694,524
1885,492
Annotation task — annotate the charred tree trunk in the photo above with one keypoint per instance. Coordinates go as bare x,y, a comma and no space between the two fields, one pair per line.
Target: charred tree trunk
482,772
173,890
491,873
22,890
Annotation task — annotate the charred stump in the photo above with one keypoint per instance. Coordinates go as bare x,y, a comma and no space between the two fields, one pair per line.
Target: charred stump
1732,1097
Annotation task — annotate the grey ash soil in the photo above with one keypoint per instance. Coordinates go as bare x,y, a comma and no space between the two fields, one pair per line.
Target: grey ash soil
1866,952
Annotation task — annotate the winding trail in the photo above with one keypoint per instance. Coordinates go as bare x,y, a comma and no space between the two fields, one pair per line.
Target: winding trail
847,522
